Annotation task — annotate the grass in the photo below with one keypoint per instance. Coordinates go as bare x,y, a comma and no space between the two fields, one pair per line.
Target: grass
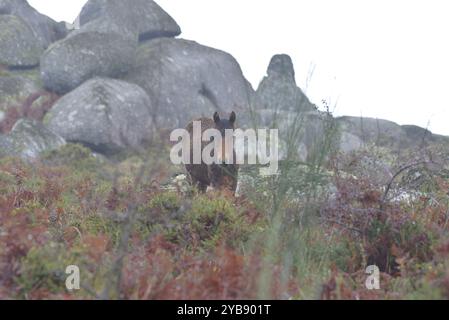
307,233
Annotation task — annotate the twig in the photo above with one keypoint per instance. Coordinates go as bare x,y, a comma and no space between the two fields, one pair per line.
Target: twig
401,170
343,225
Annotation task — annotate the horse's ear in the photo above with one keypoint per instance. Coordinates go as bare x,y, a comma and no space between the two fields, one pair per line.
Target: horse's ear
216,117
233,117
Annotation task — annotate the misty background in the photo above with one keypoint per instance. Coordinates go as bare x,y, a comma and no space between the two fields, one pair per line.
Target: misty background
379,59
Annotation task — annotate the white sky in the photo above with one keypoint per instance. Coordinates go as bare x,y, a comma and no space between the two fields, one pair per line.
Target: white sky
377,58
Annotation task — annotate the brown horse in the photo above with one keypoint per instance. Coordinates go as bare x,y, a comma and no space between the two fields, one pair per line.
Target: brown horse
221,175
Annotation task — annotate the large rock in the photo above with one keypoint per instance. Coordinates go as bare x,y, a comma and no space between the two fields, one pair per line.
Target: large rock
278,90
188,80
18,46
308,133
45,30
106,115
370,131
301,134
108,26
350,142
419,134
376,131
78,58
29,139
145,17
280,104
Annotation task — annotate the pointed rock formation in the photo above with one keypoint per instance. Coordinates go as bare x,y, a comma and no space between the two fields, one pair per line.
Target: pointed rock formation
278,90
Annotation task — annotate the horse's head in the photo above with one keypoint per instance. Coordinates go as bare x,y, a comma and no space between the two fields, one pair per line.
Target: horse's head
226,148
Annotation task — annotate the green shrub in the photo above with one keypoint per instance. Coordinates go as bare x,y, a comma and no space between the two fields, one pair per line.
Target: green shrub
73,155
216,220
44,268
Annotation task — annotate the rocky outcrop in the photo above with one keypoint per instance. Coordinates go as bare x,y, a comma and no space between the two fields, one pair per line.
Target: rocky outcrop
78,58
384,133
160,83
106,115
278,90
28,140
18,46
301,134
187,80
381,132
280,104
45,30
106,43
305,132
417,134
144,17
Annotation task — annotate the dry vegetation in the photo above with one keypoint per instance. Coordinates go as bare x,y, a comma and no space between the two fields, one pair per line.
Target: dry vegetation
135,239
34,107
309,233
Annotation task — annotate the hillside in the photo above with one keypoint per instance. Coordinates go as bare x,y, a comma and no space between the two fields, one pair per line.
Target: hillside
86,178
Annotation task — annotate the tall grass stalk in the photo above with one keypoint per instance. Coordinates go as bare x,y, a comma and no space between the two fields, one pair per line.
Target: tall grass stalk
293,197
